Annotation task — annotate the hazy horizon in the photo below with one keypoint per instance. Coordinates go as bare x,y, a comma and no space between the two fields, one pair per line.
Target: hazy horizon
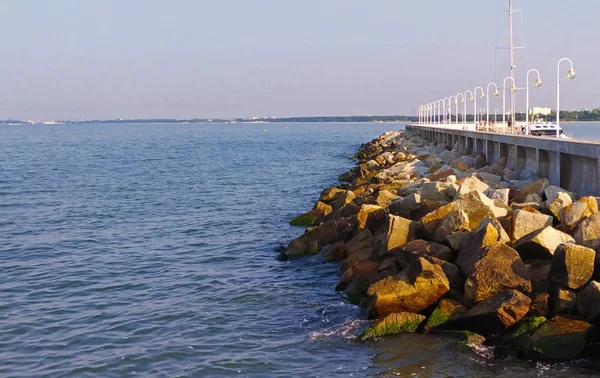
72,60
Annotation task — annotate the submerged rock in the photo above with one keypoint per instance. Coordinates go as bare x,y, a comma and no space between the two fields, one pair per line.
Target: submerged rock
558,339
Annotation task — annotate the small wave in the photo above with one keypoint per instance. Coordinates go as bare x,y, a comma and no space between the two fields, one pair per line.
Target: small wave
348,330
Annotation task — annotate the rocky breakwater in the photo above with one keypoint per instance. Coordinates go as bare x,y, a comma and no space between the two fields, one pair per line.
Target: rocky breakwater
432,239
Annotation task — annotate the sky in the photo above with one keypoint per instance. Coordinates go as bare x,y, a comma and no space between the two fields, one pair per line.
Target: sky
105,59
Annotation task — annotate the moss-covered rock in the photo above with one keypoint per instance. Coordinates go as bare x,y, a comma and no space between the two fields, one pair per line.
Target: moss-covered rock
394,323
307,219
446,310
558,339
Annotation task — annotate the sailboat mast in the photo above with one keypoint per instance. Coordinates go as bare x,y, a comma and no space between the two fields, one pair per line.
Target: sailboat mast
513,101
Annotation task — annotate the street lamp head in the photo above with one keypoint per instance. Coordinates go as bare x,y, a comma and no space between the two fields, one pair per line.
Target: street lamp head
513,88
462,100
538,82
482,95
571,74
471,98
496,92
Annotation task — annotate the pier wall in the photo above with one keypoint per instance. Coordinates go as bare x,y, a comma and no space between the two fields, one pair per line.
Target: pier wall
570,164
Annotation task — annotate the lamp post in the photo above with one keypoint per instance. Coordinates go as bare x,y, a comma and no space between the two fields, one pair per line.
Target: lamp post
456,103
496,116
450,109
513,89
495,93
444,105
475,104
465,107
570,75
480,120
538,83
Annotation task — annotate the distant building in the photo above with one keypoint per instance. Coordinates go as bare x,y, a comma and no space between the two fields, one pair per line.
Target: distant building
541,111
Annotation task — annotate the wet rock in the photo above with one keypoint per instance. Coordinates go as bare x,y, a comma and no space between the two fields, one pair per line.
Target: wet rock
541,244
417,287
395,232
499,269
297,247
363,268
558,339
572,266
307,219
525,222
445,311
588,302
495,314
334,252
393,324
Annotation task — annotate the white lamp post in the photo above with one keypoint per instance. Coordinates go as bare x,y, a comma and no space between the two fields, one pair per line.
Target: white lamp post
513,89
495,93
456,102
465,106
450,108
444,105
571,75
538,83
475,104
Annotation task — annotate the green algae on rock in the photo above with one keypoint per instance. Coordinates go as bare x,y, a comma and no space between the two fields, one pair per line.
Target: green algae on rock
394,323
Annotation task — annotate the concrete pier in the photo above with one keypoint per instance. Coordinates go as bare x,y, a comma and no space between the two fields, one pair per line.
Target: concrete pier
570,164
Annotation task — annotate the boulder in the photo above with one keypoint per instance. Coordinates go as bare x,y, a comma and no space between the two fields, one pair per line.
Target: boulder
572,215
328,194
528,174
562,300
363,268
471,184
495,314
588,302
541,244
525,222
499,269
498,166
297,247
592,203
556,203
334,252
471,250
417,287
341,199
558,339
323,207
537,187
393,324
425,207
455,222
540,305
445,311
479,162
489,178
307,219
509,175
371,217
438,191
498,194
362,240
421,247
572,266
552,192
395,232
384,198
588,231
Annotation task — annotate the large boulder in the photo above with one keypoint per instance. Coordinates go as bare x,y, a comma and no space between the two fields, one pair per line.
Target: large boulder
499,269
455,222
384,198
371,217
541,244
562,300
395,232
572,215
360,245
424,248
334,252
417,287
588,231
445,311
558,339
438,191
471,184
573,265
525,222
363,268
472,247
329,194
495,314
442,174
489,178
588,302
394,323
499,194
557,202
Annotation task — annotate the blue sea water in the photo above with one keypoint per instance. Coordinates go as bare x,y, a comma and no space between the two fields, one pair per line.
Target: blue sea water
148,250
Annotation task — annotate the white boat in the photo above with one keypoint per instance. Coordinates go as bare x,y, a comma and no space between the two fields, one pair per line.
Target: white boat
546,129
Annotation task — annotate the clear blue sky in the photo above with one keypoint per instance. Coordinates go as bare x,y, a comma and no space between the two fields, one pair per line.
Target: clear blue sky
68,59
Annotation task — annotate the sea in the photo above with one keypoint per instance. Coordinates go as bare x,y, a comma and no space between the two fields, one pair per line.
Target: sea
149,250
